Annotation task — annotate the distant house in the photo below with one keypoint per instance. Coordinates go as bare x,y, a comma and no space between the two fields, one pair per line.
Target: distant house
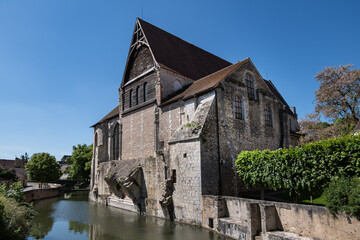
64,158
64,165
18,166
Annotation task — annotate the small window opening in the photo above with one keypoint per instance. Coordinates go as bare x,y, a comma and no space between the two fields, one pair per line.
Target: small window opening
184,155
268,116
138,92
145,92
130,98
238,107
173,176
211,222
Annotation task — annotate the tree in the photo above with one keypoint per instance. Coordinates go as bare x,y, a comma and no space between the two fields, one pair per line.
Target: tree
43,167
337,99
25,158
339,93
7,174
80,162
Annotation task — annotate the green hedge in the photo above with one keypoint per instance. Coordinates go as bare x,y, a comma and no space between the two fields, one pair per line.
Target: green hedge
310,167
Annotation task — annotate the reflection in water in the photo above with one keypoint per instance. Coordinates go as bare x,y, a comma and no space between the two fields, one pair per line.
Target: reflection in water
76,218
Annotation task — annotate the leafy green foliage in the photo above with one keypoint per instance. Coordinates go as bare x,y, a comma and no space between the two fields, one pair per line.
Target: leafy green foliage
15,215
310,167
80,162
43,167
15,191
343,194
7,175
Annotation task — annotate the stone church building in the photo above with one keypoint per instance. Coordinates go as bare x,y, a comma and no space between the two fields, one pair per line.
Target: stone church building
183,116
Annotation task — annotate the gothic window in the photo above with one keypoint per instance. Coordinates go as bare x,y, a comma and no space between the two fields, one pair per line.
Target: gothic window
145,92
238,107
268,116
249,81
116,142
138,92
130,98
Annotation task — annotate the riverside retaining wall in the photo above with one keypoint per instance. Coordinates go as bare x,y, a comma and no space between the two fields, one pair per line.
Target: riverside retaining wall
249,219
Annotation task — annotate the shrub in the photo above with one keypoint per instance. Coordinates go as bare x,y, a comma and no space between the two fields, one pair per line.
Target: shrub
15,219
15,191
310,167
343,194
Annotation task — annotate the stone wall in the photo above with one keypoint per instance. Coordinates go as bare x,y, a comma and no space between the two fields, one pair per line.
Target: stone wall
138,134
185,160
242,218
249,133
172,83
38,194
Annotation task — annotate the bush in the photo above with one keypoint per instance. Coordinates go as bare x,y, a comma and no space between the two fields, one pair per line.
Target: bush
15,191
310,167
7,175
15,219
343,194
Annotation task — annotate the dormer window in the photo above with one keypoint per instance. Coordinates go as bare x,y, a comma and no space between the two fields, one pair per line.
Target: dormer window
249,82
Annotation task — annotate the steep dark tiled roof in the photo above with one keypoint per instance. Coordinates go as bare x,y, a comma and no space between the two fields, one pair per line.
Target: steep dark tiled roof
206,83
110,115
180,56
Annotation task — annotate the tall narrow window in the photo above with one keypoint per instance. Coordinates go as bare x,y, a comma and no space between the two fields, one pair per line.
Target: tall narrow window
116,142
145,92
238,109
138,92
130,98
268,116
249,81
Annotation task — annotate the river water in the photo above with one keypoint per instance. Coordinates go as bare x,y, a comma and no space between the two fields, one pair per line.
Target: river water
74,217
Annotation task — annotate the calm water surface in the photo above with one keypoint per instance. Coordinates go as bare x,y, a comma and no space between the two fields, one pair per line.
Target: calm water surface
76,218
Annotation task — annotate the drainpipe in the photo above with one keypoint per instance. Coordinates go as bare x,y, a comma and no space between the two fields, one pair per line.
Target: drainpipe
218,141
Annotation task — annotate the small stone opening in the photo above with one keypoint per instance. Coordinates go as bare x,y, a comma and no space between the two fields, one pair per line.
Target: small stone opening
174,175
211,223
184,155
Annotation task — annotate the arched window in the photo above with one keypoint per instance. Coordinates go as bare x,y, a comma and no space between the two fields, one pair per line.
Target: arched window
138,95
116,142
130,98
145,92
249,82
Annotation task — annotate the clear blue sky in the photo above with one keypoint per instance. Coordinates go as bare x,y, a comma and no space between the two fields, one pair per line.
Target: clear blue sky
61,61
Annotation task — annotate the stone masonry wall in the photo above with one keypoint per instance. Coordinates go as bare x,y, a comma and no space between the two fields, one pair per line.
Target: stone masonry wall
250,133
185,160
242,218
138,139
171,83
